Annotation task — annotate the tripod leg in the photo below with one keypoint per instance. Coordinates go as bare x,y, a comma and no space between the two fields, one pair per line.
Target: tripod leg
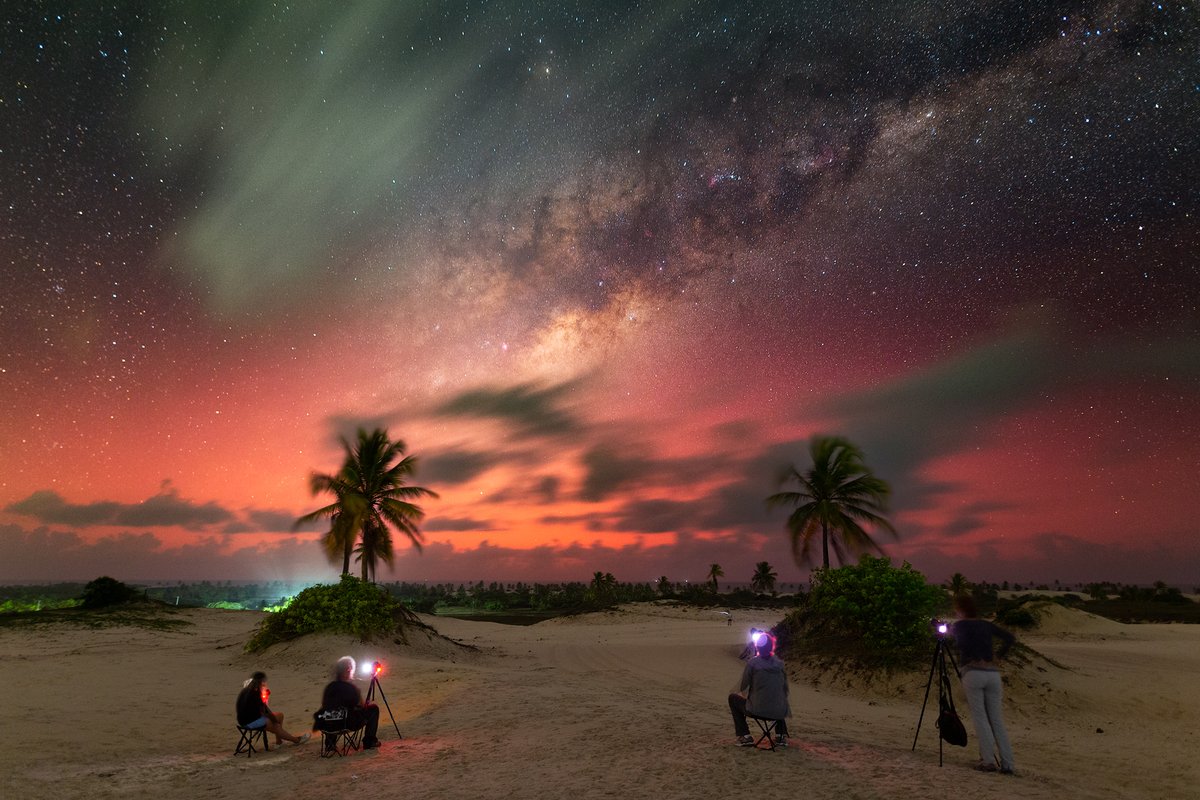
928,683
943,682
375,683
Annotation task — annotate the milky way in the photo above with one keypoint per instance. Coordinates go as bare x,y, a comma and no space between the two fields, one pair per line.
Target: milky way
604,268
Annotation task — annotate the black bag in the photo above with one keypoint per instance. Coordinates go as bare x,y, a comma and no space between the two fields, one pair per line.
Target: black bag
950,727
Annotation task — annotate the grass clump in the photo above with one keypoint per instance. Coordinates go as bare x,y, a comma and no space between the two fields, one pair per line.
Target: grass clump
871,613
354,607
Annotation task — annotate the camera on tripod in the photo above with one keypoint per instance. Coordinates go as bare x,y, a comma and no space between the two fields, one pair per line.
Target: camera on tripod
950,727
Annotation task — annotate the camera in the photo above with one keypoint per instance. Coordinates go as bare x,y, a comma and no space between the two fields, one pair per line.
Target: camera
940,627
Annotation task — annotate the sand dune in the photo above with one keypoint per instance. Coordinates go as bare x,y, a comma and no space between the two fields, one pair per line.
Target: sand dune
626,704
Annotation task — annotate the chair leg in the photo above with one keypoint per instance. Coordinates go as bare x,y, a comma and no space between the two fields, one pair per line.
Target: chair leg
340,742
246,741
767,726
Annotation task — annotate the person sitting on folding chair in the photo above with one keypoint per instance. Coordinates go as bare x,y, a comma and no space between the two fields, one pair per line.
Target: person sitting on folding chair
253,712
341,693
763,693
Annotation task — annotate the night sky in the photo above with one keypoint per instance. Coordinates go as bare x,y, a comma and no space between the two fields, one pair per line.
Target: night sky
605,268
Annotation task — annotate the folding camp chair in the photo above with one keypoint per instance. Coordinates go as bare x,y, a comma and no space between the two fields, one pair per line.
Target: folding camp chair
767,726
246,742
338,732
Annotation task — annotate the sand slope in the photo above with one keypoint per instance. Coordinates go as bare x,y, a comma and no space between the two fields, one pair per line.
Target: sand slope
627,704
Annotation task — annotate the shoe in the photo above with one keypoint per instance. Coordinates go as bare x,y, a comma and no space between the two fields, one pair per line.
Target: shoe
781,741
745,741
1006,771
985,767
304,738
371,745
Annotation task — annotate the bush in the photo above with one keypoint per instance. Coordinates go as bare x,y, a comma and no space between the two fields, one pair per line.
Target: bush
106,591
353,607
870,610
1019,617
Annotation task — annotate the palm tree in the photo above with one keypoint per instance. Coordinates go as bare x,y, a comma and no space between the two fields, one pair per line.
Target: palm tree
958,584
371,496
836,495
603,587
715,572
764,578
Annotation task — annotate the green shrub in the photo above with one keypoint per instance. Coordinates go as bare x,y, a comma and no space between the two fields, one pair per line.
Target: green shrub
870,610
353,607
1019,617
106,591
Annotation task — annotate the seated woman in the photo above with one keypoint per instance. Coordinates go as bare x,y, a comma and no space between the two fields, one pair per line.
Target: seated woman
254,713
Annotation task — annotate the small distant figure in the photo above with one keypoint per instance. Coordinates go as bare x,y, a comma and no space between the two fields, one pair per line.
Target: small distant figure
763,692
978,664
341,693
728,617
254,713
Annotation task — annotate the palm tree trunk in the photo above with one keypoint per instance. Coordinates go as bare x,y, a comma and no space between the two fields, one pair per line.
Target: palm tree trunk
825,544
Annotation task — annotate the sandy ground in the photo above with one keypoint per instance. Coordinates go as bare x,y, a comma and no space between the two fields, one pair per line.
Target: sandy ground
627,704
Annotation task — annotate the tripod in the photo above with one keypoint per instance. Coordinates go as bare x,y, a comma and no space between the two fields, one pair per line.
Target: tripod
375,684
945,698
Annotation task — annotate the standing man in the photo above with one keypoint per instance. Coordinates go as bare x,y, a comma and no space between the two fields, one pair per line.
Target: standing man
341,693
981,682
763,692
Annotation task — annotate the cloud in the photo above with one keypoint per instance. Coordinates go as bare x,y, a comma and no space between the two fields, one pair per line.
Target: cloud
531,410
653,516
954,405
607,471
454,467
136,557
456,524
274,520
49,506
164,509
1047,556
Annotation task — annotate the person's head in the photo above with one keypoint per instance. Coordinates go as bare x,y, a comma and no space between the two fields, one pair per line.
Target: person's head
256,680
964,604
764,644
344,668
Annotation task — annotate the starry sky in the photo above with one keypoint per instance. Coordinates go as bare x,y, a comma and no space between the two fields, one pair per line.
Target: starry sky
605,267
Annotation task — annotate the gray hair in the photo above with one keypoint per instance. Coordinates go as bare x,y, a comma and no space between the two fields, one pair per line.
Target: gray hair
345,666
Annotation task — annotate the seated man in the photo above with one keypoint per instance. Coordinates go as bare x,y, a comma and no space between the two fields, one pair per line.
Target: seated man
763,693
253,712
341,693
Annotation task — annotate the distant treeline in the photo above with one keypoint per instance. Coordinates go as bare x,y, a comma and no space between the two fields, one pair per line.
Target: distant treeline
1126,602
603,591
